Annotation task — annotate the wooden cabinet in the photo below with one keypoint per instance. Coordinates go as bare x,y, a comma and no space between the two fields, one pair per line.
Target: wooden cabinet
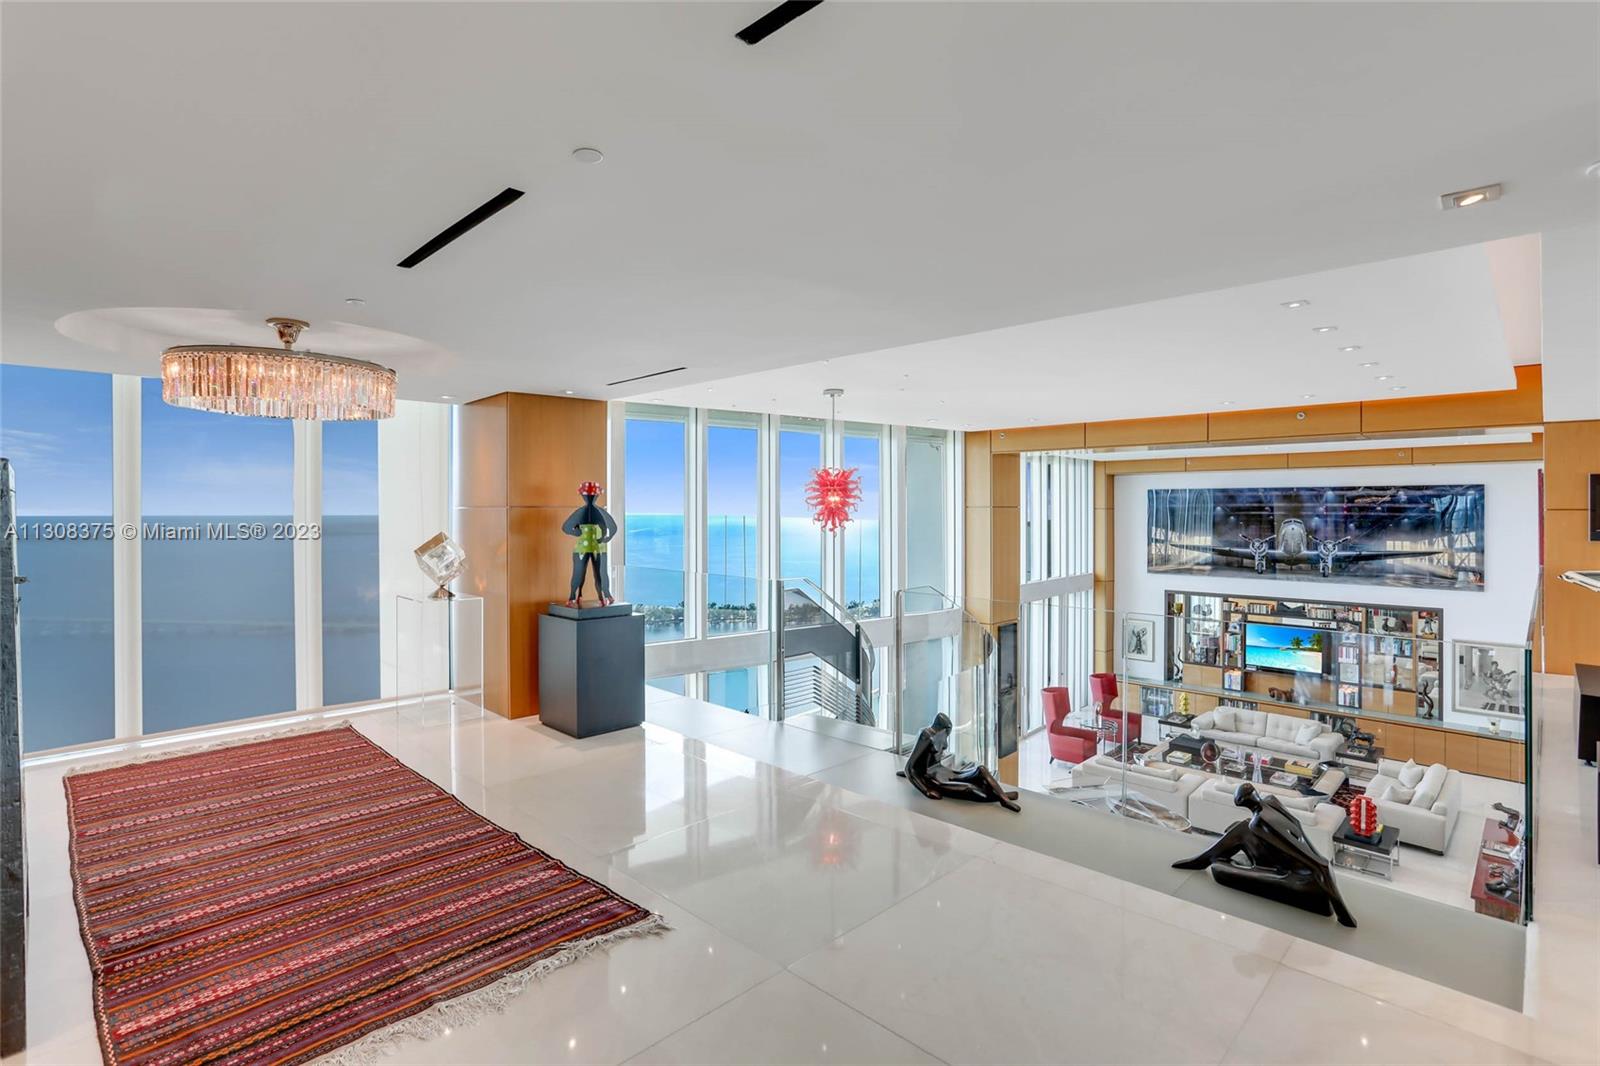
1494,758
1427,746
1461,752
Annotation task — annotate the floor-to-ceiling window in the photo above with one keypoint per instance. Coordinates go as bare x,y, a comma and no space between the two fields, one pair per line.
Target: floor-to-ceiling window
800,541
218,565
732,515
862,449
350,659
1058,619
741,689
55,428
654,522
928,549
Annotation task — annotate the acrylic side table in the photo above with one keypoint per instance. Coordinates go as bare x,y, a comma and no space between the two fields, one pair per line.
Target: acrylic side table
437,658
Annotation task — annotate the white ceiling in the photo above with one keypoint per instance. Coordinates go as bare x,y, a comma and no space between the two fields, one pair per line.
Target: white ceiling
1431,323
874,176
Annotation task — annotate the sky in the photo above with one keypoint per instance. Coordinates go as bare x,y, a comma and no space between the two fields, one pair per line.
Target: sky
55,427
655,483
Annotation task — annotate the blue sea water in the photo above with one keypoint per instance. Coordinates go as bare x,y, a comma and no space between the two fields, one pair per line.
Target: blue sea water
218,627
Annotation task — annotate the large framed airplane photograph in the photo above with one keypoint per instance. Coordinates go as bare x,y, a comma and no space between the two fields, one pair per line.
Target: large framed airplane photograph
1416,536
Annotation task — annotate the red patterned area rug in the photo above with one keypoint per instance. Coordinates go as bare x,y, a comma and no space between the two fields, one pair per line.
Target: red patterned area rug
269,902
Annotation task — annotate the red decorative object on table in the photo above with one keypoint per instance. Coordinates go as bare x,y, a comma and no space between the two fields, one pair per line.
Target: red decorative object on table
1364,817
833,494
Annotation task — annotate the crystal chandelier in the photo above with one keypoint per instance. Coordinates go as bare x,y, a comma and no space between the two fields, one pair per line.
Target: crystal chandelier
239,379
833,493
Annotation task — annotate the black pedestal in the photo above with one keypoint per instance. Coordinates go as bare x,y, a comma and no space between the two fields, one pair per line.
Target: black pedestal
1588,695
591,671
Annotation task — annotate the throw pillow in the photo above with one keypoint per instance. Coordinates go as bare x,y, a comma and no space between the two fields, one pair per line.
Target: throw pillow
1431,786
1308,732
1222,718
1399,794
1411,774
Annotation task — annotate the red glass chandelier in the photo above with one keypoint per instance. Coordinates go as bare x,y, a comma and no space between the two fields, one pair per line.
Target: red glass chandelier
833,493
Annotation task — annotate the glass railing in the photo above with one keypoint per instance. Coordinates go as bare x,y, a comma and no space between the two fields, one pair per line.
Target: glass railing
826,662
945,664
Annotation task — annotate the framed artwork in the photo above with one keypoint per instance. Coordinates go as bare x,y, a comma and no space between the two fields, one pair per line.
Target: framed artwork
1139,639
1420,536
1489,679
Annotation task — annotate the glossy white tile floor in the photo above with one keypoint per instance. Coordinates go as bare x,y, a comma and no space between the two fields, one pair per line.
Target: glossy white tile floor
1443,878
814,925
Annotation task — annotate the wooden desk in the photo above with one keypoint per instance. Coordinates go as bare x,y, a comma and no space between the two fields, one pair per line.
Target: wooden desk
1506,908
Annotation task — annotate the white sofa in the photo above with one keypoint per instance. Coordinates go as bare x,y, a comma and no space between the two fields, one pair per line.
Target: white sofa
1425,810
1166,785
1281,734
1211,807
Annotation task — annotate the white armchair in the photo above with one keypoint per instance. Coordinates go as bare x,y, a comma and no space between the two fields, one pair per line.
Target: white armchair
1425,810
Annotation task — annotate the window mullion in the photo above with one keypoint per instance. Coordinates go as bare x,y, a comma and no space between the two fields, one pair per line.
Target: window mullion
127,562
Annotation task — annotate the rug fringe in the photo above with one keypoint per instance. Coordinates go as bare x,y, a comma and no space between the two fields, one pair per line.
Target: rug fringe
490,999
267,733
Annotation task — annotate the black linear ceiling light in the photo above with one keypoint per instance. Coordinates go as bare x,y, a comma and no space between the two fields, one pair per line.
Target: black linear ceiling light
775,20
492,206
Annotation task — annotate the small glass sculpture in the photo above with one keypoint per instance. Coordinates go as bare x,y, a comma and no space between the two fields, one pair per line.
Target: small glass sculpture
442,559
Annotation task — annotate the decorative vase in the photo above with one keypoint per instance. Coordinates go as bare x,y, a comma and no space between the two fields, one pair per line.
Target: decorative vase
1364,817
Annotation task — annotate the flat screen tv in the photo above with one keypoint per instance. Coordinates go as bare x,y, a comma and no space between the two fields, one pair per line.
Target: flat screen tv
1291,649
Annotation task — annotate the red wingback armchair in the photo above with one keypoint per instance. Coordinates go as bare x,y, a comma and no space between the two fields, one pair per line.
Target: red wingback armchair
1067,743
1103,691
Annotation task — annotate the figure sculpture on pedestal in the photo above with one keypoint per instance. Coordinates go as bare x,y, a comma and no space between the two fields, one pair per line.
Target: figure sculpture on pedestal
594,527
925,769
1283,864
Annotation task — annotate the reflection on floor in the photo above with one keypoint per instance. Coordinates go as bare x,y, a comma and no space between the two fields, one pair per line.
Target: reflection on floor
1443,878
811,923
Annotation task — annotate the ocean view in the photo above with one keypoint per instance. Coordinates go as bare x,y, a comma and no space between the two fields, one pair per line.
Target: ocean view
218,632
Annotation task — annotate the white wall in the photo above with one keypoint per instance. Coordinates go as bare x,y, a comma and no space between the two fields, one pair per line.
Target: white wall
1497,613
413,505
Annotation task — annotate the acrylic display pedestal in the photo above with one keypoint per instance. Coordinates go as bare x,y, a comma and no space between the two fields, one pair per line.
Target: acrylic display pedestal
436,663
591,669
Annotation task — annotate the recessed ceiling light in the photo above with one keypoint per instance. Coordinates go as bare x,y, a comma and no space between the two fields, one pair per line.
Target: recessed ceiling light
1295,305
566,392
1308,396
1384,377
1226,403
933,420
1351,348
1369,365
447,398
1323,329
1397,388
1593,169
588,155
1470,197
355,301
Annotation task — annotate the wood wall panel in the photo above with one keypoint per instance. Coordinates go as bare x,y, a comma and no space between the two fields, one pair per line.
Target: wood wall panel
1037,438
978,469
1351,457
1237,462
538,448
1522,406
1007,573
1494,758
1178,429
1321,420
553,444
1532,452
1572,453
1572,613
1005,479
482,533
481,428
980,558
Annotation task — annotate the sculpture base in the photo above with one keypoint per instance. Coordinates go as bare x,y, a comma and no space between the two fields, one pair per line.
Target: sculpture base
590,610
591,671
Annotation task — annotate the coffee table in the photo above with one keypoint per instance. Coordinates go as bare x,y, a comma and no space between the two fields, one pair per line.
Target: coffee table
1378,858
1298,775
